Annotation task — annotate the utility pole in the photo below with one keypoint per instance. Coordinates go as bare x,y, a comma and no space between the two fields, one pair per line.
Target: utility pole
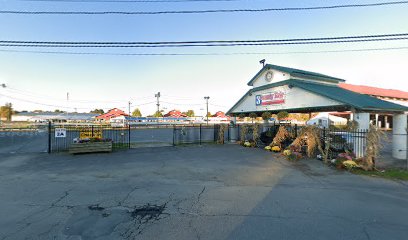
3,86
129,103
66,115
157,95
206,99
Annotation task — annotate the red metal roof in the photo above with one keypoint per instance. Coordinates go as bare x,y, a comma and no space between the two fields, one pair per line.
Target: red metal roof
219,114
374,91
174,114
111,114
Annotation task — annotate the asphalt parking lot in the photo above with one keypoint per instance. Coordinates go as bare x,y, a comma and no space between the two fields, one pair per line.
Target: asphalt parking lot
193,192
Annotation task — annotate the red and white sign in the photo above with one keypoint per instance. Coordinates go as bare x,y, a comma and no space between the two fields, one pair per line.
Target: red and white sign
270,98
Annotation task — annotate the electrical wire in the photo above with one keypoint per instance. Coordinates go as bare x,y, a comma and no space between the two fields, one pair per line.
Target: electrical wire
390,35
130,1
203,11
35,95
218,43
183,104
206,54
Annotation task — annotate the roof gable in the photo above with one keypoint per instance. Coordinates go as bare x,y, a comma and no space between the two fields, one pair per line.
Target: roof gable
347,98
297,73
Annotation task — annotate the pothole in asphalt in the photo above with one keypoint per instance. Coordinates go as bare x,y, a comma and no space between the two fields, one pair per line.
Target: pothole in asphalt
96,207
148,212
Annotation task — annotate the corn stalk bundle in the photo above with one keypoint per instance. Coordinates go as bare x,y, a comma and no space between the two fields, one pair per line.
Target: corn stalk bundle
243,132
310,136
221,133
373,138
255,132
280,136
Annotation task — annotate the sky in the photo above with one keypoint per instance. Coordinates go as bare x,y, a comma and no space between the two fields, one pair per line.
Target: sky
41,81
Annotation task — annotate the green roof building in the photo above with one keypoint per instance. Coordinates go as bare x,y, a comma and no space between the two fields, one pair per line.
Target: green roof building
276,88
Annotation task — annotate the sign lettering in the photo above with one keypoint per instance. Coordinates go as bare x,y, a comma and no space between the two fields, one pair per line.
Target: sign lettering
270,98
97,133
60,132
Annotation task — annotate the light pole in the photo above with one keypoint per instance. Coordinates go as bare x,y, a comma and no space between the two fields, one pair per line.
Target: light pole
158,105
3,86
206,99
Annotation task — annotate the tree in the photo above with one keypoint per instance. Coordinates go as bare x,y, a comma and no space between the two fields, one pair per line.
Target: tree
209,114
266,116
189,113
97,111
58,111
6,111
241,116
136,113
282,115
158,114
253,116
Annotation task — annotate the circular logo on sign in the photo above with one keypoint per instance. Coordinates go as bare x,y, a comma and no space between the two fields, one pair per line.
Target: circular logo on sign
269,76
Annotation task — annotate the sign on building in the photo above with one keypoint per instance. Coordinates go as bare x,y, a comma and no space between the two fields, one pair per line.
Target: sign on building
272,98
88,133
60,132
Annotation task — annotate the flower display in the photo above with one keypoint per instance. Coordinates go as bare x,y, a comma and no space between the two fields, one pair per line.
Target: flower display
350,164
276,149
287,152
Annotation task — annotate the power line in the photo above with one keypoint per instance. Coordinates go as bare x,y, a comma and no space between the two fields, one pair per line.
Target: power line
205,54
202,11
63,106
130,1
207,41
349,39
40,96
184,104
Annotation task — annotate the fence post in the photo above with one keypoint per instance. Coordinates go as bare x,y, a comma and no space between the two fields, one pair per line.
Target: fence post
128,135
200,133
296,128
92,130
228,138
174,135
239,133
49,137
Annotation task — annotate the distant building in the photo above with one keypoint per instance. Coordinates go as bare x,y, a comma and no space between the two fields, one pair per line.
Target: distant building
113,113
219,117
325,119
175,114
39,117
390,95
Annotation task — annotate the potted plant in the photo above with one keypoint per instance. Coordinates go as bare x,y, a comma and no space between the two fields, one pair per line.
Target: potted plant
91,145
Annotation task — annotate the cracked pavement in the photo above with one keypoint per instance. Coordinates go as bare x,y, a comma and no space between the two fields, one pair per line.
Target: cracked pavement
193,192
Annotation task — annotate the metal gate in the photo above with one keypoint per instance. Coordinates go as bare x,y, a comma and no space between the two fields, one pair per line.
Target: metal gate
29,139
60,137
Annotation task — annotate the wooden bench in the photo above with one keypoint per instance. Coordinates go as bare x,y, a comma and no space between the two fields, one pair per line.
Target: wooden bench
90,147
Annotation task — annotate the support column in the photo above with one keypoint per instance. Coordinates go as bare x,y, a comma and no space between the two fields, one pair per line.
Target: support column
363,120
376,120
399,136
387,124
233,130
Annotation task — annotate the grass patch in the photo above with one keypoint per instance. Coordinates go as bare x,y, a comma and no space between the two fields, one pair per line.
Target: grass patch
395,174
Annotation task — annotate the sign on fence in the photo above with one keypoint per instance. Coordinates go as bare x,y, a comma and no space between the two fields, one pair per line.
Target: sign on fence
87,133
60,132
